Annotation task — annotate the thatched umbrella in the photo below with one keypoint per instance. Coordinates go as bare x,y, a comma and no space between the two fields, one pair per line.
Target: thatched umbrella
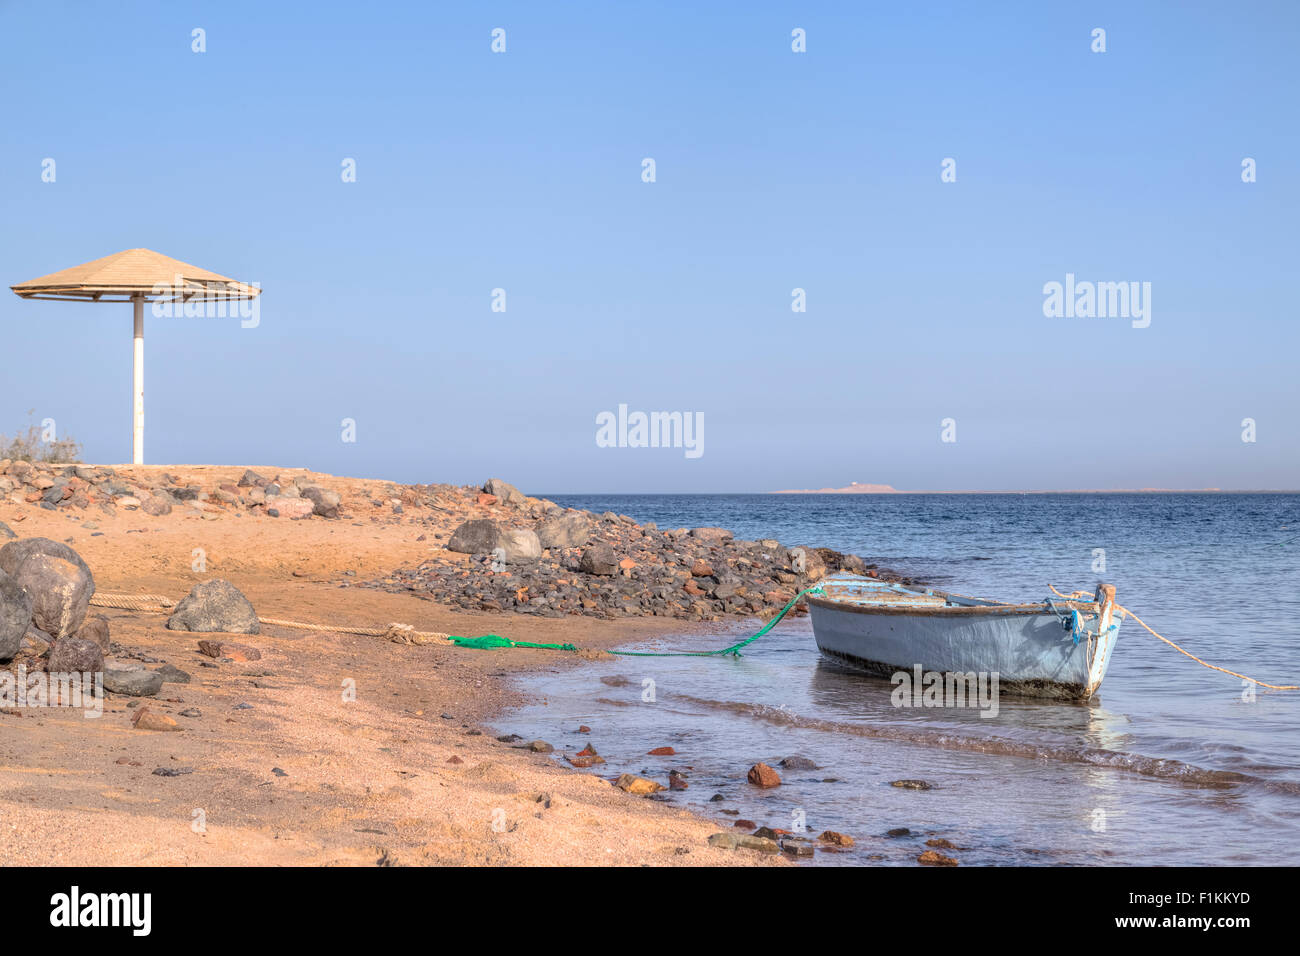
137,276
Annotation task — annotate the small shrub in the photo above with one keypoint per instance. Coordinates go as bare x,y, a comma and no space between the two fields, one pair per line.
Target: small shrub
30,446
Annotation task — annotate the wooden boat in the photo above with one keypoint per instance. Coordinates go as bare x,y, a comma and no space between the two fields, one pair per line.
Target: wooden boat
1058,648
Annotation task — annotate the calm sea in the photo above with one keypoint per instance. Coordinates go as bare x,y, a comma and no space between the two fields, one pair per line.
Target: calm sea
1171,764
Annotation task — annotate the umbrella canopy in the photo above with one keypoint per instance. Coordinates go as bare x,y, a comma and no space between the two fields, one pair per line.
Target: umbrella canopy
136,276
123,276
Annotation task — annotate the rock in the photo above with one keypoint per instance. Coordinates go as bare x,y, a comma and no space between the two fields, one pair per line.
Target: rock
761,844
286,507
898,832
541,747
761,775
60,591
630,783
661,752
171,674
230,649
838,839
599,559
711,535
156,506
36,642
505,492
677,780
325,502
95,629
13,554
796,762
701,569
571,530
252,479
484,536
130,679
15,615
911,784
796,848
584,761
146,719
214,606
75,655
723,841
933,858
6,532
942,844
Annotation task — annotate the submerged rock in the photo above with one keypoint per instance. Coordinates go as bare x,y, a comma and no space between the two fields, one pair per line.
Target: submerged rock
761,775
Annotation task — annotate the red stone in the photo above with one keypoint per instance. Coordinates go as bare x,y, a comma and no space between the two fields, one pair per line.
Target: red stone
761,775
662,752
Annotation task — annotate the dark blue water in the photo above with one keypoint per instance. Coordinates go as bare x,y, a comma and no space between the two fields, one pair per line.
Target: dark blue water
1172,763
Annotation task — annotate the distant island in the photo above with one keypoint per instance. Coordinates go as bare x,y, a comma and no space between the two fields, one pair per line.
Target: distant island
858,488
852,488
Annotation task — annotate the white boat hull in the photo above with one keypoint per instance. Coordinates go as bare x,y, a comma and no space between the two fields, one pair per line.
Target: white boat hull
886,629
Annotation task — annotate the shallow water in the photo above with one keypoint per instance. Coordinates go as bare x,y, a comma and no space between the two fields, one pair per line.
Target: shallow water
1170,764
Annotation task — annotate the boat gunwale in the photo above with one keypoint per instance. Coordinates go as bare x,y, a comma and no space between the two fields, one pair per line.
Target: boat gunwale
979,610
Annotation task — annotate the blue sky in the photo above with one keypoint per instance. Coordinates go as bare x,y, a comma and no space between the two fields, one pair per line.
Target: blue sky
775,170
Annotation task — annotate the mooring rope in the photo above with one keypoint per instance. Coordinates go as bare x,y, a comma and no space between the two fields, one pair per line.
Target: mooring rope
406,634
1074,596
395,632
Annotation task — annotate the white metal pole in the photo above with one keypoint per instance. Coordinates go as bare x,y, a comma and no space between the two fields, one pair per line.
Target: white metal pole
137,368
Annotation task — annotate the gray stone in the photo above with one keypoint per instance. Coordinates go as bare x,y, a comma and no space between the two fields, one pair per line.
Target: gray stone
484,536
599,559
156,505
711,535
131,679
6,533
60,590
325,502
506,493
572,530
214,606
15,615
252,479
13,554
796,762
171,674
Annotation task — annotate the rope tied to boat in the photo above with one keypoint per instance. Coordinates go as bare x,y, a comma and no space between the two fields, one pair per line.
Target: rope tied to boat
407,634
1075,596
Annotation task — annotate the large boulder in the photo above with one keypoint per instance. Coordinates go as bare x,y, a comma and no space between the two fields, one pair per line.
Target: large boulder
60,591
15,614
505,492
214,606
572,530
13,554
485,536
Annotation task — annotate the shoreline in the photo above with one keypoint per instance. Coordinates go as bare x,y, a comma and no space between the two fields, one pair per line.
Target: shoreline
271,765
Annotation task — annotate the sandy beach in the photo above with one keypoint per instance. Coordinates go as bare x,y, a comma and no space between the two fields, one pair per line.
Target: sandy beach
279,768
